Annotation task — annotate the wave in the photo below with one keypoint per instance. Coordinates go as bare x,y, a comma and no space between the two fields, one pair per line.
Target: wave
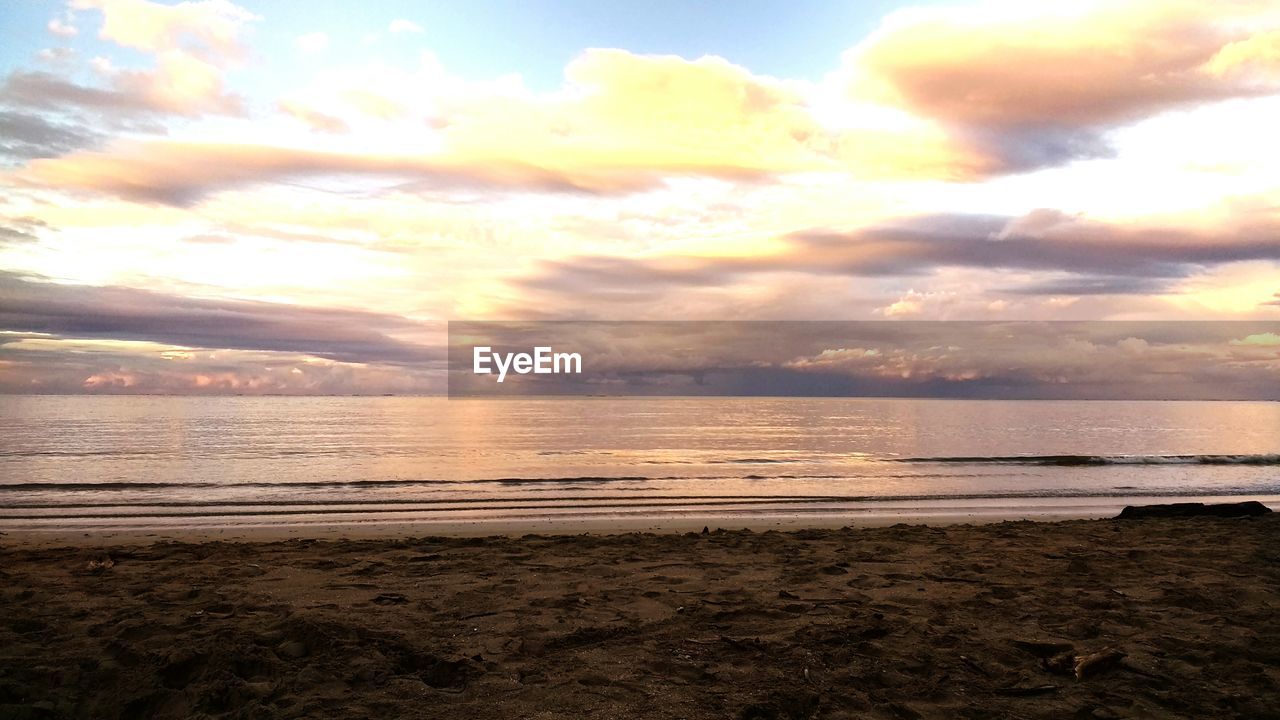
400,482
667,504
411,482
1091,460
730,461
81,486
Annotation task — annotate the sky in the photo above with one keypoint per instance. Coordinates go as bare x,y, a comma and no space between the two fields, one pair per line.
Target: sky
219,197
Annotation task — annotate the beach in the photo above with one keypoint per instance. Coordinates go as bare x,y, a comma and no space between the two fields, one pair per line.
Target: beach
1165,618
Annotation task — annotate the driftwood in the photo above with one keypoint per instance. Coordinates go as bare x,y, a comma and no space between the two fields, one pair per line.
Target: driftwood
1043,648
1180,510
1094,663
1024,691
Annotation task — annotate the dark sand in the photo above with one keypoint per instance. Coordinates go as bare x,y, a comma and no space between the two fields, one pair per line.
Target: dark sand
896,622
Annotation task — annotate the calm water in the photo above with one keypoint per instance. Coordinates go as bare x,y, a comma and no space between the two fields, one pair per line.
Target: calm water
88,462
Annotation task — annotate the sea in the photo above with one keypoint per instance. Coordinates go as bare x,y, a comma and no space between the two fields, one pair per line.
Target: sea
95,464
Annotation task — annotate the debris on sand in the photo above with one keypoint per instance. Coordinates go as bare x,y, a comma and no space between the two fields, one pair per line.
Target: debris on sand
1026,690
101,564
1094,663
1251,508
1044,648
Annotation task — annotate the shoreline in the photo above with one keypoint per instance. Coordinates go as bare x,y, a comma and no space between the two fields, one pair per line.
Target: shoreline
110,531
497,528
887,622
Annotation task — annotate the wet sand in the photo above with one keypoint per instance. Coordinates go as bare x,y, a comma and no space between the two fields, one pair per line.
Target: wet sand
1175,618
124,530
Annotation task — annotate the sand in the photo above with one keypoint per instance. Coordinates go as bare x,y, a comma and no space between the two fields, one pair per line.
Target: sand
890,622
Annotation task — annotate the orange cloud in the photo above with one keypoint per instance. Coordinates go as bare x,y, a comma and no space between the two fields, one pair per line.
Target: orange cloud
1028,85
615,111
181,84
207,28
621,123
182,173
1255,58
664,113
1016,65
622,109
314,119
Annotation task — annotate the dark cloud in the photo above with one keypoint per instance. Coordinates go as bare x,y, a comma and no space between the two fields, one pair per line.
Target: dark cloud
74,366
131,94
1088,285
20,230
38,90
81,311
47,115
25,136
1109,259
1073,245
43,115
1155,360
1035,147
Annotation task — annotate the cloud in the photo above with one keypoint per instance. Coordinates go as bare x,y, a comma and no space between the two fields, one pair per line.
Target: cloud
1093,285
182,173
24,136
44,115
61,28
1037,85
973,93
401,25
20,230
877,358
985,92
1255,58
1077,245
56,55
46,91
315,119
1082,257
180,85
32,362
81,311
1268,339
191,44
209,239
910,305
622,123
312,43
622,111
208,29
